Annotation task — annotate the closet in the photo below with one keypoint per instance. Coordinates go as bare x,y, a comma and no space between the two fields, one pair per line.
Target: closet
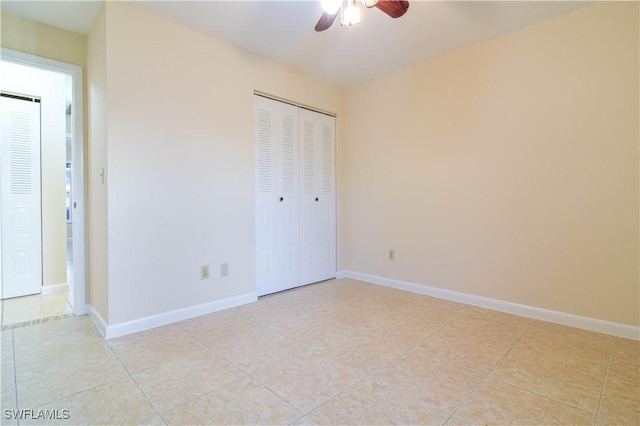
295,196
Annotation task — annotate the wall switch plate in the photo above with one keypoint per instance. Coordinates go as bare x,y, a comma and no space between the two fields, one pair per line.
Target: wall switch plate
392,254
204,272
224,269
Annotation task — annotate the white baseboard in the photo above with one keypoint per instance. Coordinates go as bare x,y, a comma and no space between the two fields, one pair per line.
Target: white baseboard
165,318
54,288
97,319
586,323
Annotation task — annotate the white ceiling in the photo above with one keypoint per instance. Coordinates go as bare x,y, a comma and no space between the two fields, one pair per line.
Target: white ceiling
76,16
283,30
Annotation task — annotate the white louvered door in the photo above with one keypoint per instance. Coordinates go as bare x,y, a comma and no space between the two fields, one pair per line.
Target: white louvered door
277,229
295,196
317,198
20,223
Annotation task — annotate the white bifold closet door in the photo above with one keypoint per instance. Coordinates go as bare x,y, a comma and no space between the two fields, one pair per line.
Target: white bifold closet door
317,197
20,214
295,196
277,226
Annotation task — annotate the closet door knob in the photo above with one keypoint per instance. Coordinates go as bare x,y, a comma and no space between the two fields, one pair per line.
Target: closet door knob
281,198
316,198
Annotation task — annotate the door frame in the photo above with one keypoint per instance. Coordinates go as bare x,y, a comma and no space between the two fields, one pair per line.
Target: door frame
77,171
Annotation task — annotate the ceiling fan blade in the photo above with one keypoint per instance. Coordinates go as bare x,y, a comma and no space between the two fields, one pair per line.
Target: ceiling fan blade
393,8
325,21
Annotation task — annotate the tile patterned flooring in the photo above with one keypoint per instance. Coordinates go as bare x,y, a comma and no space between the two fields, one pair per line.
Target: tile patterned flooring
338,352
18,310
15,312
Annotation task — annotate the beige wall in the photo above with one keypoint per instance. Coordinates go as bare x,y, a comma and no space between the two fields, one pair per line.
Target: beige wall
181,161
97,160
508,169
42,40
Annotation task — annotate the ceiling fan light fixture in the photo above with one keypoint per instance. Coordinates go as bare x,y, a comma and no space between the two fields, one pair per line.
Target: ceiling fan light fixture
350,11
350,14
331,6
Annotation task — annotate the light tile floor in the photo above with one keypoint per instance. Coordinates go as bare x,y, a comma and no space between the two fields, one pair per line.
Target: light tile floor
38,307
338,352
18,310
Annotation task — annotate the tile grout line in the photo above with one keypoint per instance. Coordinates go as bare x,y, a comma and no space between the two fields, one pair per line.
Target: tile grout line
329,357
138,385
543,395
371,374
215,351
330,397
15,373
488,374
203,394
529,390
212,349
367,375
559,401
43,404
197,396
71,394
363,378
79,392
279,397
604,380
402,391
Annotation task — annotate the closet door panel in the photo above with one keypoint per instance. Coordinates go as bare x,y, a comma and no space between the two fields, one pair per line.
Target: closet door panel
308,165
266,218
288,199
318,228
326,204
277,228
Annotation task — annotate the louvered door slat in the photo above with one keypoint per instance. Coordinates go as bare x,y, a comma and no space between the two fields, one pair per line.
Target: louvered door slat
308,157
328,166
289,180
264,151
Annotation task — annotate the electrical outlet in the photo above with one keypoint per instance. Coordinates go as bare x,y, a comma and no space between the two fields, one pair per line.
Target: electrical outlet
224,269
204,272
392,254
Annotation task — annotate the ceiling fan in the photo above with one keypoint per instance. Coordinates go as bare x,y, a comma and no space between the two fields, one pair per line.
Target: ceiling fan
351,14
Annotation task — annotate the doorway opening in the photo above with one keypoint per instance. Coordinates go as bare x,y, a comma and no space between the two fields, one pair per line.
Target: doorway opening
59,287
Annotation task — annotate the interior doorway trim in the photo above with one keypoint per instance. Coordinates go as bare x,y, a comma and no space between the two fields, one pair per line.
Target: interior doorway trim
77,131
